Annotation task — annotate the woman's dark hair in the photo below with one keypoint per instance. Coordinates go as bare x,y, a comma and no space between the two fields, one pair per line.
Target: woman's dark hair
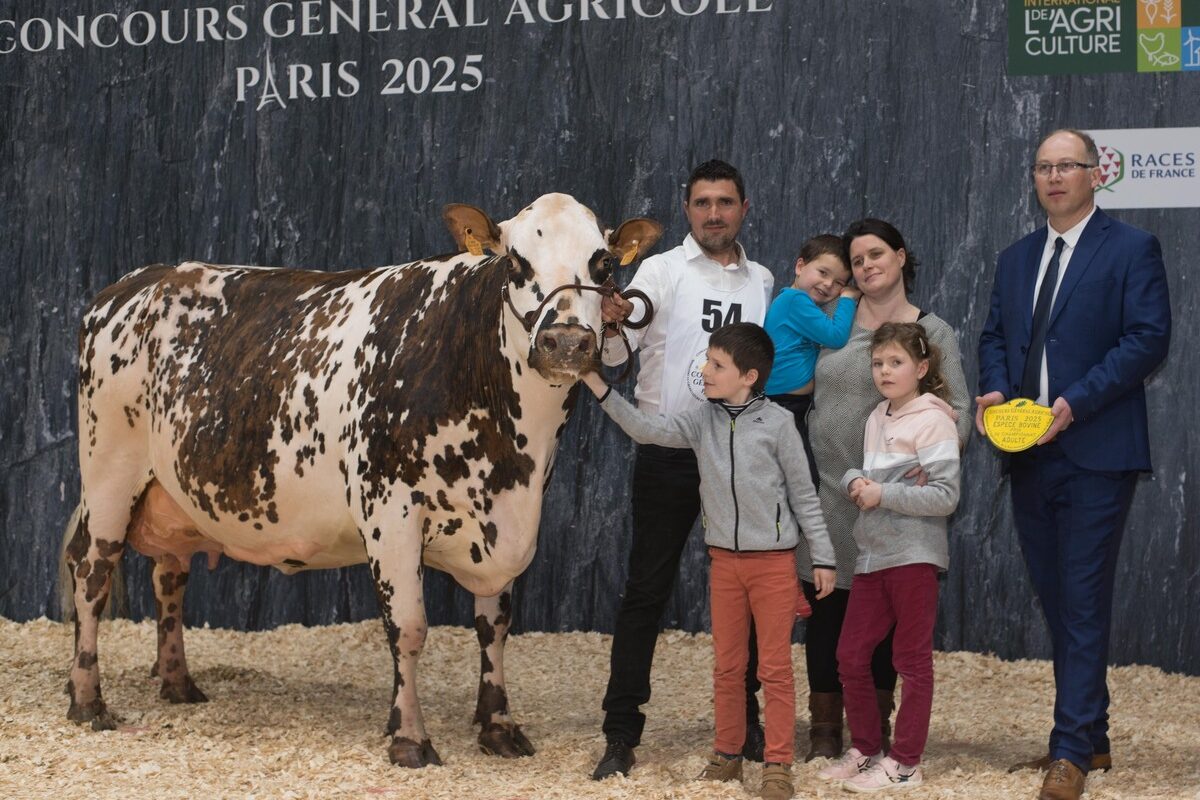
892,238
912,338
825,244
749,347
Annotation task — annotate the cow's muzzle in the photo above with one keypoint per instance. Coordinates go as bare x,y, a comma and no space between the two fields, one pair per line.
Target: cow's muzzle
564,352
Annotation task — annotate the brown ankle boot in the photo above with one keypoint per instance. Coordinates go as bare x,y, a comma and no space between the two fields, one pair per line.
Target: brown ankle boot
825,731
887,704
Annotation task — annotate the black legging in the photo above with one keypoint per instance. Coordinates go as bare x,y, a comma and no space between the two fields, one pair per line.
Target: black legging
820,644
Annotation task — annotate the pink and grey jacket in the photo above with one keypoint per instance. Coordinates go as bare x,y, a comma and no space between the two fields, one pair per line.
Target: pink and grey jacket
909,524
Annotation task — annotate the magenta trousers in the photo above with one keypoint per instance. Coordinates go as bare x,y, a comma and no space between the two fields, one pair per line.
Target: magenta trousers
906,597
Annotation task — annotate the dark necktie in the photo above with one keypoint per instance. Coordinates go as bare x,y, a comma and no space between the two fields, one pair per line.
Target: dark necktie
1032,378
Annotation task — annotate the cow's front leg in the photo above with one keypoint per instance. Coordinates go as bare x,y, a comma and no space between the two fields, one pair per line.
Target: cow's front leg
498,734
170,580
395,563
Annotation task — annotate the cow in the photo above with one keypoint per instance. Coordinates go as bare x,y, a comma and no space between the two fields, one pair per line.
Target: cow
404,417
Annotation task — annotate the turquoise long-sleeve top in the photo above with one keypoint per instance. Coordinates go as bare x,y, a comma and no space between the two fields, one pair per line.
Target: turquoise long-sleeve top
799,329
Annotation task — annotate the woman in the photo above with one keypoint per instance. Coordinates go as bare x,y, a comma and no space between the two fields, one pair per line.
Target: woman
884,270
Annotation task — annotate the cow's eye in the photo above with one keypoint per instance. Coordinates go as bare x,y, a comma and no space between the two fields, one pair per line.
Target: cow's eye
519,268
600,268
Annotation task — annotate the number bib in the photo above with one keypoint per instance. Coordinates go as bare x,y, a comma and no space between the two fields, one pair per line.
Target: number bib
697,310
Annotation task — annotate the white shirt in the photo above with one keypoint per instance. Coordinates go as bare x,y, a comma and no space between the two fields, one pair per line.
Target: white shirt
1070,240
693,295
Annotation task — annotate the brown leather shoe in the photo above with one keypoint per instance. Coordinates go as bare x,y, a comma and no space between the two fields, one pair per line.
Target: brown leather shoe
1100,761
1064,781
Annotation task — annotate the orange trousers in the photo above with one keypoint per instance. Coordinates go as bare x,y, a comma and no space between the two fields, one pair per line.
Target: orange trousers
759,586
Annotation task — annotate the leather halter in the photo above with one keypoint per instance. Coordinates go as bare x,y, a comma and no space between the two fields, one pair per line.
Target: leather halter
606,289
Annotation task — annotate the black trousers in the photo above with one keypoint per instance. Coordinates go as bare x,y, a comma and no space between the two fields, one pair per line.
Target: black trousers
666,502
799,404
821,639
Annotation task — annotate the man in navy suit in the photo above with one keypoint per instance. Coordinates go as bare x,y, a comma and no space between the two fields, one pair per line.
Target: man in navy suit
1080,317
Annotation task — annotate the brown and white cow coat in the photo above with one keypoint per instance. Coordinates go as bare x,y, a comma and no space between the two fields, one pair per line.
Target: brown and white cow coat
401,416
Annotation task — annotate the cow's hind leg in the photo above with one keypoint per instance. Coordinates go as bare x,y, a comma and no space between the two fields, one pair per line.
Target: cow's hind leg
396,569
170,581
93,550
498,734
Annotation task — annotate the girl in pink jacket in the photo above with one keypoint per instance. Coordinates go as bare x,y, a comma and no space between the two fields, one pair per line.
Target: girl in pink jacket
901,538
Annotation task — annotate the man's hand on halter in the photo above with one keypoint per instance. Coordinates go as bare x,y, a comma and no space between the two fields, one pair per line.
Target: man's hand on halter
614,309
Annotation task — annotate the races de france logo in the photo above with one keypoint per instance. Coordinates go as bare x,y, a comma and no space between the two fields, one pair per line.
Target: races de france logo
1112,168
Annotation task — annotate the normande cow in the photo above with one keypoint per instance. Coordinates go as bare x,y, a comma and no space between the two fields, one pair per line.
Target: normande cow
405,416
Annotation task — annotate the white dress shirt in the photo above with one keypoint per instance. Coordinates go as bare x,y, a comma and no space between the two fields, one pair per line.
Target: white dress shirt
691,294
1070,240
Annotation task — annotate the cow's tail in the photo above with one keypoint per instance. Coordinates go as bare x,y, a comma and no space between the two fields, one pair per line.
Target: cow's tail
118,597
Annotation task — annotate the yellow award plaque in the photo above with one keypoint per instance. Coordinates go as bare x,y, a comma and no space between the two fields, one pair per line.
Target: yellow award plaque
1016,425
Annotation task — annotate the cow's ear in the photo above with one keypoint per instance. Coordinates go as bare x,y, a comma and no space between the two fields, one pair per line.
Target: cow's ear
471,228
634,239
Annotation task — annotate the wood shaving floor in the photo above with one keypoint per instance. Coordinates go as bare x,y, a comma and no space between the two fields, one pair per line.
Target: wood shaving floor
299,713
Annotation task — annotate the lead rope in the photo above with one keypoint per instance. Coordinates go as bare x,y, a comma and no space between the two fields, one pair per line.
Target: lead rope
606,289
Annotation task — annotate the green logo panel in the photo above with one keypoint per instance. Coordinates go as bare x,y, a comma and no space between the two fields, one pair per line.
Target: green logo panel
1060,37
1066,37
1159,50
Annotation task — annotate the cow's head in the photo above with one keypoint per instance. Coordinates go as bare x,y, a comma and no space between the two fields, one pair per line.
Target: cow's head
555,242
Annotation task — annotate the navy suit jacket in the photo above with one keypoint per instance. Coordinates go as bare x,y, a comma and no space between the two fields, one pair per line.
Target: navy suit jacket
1109,329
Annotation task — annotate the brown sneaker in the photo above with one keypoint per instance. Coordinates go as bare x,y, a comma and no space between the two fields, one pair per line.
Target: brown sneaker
777,782
720,768
1100,761
1064,781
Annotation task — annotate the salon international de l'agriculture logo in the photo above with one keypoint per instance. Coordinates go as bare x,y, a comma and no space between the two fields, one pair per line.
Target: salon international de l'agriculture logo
1112,167
1082,36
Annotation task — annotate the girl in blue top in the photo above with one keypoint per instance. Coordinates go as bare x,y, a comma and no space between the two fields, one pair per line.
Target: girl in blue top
799,327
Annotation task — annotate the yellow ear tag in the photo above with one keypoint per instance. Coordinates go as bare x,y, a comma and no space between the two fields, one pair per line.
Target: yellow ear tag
630,255
473,245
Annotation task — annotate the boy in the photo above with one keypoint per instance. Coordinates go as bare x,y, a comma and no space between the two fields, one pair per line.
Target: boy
753,476
799,328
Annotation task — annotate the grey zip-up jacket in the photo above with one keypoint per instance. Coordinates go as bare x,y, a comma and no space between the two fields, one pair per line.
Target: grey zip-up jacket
754,479
909,524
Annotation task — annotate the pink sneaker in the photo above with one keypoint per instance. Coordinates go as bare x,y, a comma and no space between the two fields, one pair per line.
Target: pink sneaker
887,773
850,764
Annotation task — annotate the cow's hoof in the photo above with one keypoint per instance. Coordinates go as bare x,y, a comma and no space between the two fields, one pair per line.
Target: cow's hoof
404,752
504,741
94,712
185,692
154,670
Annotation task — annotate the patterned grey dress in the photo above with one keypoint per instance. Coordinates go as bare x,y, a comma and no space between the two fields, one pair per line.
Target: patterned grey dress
843,398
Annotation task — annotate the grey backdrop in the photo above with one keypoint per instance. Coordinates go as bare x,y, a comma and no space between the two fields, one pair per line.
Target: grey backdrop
110,159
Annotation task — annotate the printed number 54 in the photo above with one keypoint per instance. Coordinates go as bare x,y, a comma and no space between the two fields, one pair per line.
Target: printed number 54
713,318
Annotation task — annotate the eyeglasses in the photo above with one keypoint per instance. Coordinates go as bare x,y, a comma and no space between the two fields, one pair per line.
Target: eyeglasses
1065,168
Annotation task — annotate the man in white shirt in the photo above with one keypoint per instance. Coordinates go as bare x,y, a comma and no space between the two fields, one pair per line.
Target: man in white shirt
1080,316
704,283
